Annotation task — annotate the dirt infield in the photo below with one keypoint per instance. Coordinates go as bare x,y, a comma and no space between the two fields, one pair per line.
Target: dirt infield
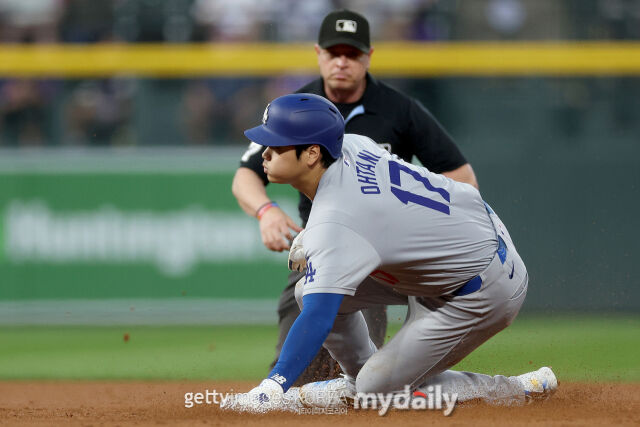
162,403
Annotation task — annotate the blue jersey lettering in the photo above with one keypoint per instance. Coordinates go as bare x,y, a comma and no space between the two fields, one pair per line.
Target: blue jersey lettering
366,172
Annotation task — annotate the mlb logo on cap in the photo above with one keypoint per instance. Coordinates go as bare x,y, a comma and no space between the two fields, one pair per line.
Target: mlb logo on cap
346,25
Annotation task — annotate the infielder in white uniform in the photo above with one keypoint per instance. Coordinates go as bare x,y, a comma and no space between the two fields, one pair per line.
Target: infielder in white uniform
383,231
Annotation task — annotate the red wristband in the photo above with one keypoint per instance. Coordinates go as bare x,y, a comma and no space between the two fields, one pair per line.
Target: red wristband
262,209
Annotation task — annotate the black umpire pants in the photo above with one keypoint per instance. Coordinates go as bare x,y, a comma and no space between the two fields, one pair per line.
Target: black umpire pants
323,367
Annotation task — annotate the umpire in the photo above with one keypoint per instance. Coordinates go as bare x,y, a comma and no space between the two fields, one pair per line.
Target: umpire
371,108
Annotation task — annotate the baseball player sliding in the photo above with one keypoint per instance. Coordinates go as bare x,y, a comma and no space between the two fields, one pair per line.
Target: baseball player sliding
383,231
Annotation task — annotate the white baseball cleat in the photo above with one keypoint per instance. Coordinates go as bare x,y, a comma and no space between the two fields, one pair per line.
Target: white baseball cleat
539,385
291,401
336,393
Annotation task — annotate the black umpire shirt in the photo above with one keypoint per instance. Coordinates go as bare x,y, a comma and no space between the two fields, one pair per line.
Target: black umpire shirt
398,123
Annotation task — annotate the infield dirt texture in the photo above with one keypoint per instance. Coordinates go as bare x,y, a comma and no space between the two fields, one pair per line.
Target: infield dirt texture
162,403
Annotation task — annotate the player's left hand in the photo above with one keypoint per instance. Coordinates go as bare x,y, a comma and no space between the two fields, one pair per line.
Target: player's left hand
268,396
297,261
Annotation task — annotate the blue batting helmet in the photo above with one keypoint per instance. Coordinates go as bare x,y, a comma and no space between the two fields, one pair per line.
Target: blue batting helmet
300,119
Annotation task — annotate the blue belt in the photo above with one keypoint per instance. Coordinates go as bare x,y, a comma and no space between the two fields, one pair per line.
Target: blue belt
476,283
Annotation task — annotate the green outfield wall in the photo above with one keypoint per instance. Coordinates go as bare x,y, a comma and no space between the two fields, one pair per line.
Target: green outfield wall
107,230
163,226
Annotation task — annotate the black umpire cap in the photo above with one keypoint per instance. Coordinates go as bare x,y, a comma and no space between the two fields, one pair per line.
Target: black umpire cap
345,27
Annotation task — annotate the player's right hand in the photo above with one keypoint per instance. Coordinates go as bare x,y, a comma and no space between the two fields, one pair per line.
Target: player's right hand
275,229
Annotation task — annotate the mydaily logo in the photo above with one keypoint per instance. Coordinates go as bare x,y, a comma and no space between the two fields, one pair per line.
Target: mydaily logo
432,398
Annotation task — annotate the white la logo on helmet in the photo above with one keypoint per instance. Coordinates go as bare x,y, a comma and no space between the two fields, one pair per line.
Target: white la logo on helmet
265,115
346,25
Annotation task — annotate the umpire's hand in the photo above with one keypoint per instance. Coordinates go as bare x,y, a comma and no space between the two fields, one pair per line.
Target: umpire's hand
275,228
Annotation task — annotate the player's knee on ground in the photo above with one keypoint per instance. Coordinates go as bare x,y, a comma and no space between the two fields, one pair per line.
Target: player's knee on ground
376,378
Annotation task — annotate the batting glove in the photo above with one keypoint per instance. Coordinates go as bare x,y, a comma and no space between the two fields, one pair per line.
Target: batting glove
297,261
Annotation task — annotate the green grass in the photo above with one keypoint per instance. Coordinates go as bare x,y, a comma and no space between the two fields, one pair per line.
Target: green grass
579,348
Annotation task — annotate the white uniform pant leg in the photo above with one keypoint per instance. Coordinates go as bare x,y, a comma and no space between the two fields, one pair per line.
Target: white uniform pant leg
440,332
498,389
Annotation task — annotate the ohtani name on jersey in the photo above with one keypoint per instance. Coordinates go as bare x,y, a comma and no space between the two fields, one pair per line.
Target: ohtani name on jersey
366,171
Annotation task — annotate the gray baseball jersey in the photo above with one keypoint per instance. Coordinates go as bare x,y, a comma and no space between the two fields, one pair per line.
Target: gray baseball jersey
424,236
374,214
